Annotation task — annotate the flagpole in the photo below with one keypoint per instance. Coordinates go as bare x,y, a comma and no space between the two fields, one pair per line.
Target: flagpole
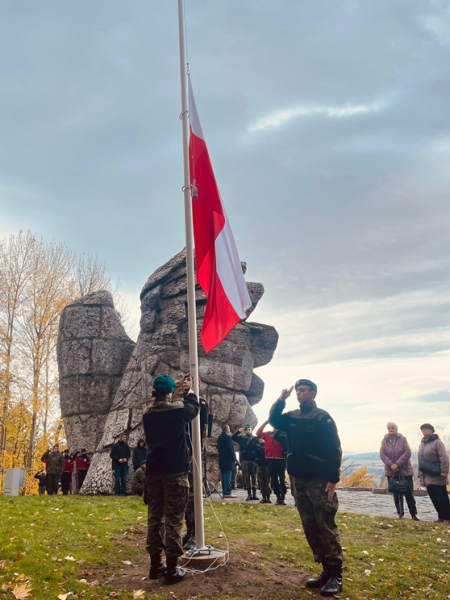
192,312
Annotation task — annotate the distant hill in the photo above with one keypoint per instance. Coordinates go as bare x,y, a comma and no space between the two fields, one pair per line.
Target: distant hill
372,460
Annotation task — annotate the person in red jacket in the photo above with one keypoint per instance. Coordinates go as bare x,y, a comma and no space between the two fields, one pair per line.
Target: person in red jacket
66,477
277,464
83,464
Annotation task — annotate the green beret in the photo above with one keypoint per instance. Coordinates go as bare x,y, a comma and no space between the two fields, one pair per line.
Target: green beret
164,384
307,382
142,462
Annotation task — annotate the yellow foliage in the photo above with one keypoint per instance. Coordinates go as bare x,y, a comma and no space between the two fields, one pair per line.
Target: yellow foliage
358,479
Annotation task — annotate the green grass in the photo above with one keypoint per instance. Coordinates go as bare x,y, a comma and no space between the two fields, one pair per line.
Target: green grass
385,559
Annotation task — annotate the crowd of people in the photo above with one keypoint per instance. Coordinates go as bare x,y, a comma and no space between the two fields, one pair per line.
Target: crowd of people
303,442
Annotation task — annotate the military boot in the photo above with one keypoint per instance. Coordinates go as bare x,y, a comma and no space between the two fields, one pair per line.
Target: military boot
249,496
254,497
320,581
264,499
282,500
191,543
173,574
269,501
187,536
157,567
334,584
278,502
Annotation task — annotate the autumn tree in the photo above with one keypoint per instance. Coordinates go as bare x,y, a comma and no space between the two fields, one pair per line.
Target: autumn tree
358,479
37,280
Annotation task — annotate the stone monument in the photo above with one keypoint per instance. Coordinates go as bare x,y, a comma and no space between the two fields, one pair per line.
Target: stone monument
106,379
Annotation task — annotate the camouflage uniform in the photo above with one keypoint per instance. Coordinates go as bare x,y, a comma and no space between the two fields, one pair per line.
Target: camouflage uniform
249,474
264,480
167,498
317,515
55,468
313,460
190,515
138,482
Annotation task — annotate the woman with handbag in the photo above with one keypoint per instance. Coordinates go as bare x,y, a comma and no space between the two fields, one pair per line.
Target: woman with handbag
433,471
396,456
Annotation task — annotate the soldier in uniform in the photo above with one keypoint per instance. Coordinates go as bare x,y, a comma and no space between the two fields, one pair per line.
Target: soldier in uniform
138,482
242,437
166,481
314,462
55,468
257,448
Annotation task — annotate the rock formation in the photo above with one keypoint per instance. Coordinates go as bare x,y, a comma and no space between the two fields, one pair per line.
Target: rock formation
228,382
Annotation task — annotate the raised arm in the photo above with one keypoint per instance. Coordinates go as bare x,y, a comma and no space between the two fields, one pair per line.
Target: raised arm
259,433
191,407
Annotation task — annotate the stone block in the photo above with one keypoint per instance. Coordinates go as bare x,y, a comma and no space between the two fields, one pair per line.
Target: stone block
74,356
81,322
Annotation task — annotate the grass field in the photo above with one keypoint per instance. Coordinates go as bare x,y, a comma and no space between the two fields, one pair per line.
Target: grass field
94,547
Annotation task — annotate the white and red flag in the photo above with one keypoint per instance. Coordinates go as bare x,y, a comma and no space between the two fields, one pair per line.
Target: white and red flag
219,271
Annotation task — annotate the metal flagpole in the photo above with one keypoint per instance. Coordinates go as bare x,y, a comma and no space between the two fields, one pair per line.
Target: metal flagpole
192,313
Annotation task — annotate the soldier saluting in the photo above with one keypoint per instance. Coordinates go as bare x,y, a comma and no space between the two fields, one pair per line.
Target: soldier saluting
313,462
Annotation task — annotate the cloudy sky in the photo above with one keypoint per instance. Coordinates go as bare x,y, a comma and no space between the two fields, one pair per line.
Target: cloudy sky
328,123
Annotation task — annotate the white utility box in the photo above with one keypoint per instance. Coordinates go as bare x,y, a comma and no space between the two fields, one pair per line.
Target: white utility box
14,480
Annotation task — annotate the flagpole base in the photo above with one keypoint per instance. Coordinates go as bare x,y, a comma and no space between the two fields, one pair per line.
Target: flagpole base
201,559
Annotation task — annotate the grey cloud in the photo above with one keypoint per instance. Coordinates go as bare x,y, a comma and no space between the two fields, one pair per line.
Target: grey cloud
442,396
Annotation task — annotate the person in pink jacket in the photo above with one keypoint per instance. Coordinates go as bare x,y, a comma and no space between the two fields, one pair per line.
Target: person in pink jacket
396,456
432,450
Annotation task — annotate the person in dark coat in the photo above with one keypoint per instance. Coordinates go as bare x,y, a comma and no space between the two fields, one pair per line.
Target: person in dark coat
242,437
139,454
166,481
55,468
258,450
433,453
314,462
227,460
41,476
120,454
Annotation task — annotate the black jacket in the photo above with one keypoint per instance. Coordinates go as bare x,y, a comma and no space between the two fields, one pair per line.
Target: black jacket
139,454
119,450
227,455
242,439
280,436
165,432
314,448
257,452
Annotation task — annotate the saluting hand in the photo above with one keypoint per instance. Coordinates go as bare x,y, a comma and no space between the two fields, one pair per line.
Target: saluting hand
286,393
330,488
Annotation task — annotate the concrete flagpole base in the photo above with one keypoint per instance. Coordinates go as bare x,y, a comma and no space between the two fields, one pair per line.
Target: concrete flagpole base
203,558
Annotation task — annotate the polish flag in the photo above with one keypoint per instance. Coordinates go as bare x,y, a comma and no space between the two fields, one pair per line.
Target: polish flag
219,271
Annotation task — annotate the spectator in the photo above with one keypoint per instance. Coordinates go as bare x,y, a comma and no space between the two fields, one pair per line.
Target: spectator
139,454
55,468
257,446
66,477
433,471
42,477
138,483
242,437
277,464
396,456
83,464
227,460
120,454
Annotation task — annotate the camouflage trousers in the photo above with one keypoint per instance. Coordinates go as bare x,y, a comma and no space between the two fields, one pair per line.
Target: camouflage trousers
167,498
233,478
317,515
190,514
249,474
264,480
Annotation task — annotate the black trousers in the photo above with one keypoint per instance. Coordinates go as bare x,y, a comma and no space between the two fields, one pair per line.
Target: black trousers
410,501
277,469
439,498
81,477
66,480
